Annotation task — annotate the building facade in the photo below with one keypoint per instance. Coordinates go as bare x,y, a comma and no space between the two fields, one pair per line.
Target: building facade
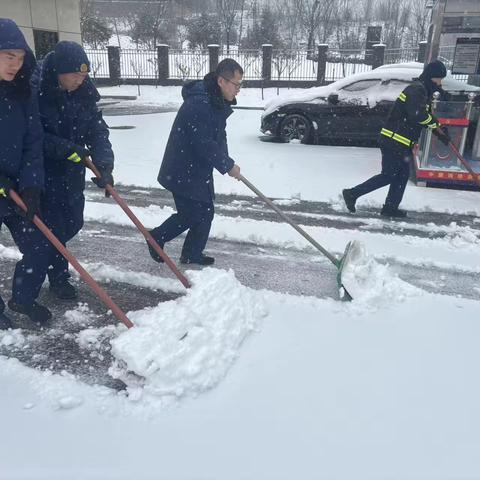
44,22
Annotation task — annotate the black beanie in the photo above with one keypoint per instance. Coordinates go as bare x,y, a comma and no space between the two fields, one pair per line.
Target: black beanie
435,69
70,57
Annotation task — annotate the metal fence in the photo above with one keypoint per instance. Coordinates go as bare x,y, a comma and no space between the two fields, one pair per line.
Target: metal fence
188,64
138,64
342,63
285,65
250,60
98,63
401,55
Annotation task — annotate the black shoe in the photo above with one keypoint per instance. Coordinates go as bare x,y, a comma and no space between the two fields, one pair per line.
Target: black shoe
350,200
155,256
5,322
202,260
393,212
36,312
64,290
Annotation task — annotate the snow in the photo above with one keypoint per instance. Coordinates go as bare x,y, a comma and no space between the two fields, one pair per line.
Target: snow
264,385
217,314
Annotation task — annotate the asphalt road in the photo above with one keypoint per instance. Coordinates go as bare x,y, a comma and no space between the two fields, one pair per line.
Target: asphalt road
257,266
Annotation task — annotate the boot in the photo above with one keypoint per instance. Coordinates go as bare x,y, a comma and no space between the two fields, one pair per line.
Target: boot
64,290
155,256
350,200
5,322
393,212
202,260
35,312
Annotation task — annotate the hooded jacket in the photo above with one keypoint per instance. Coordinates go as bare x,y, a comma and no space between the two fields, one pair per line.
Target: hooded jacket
70,120
21,136
198,142
411,110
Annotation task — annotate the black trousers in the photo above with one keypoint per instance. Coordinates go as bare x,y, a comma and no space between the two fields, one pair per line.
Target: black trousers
30,270
395,172
192,215
64,216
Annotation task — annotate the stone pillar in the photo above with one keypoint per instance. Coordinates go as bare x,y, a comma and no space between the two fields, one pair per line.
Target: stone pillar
213,54
322,50
378,55
114,63
422,51
162,62
267,61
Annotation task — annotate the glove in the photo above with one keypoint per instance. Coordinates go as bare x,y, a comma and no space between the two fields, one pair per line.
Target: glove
443,135
31,198
5,185
78,154
105,179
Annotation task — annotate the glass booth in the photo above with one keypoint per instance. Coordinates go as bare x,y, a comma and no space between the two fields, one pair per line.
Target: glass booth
434,162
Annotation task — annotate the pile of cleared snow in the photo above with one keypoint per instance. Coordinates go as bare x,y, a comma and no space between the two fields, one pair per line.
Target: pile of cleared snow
11,338
370,283
217,314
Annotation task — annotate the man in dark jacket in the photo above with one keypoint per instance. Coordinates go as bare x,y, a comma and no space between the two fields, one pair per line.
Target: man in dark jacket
198,144
74,129
409,115
21,169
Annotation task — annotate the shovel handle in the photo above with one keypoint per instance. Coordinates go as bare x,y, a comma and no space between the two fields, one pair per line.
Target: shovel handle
287,219
455,150
98,290
148,237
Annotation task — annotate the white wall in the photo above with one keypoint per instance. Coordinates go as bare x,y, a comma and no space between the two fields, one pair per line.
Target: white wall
62,16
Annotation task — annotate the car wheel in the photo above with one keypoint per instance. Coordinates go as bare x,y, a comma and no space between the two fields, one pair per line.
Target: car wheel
296,127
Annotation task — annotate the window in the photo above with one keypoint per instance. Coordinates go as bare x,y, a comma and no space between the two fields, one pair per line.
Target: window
361,85
45,42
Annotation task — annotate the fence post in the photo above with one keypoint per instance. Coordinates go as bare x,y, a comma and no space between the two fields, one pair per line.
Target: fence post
422,51
378,55
322,50
162,63
114,63
267,61
213,54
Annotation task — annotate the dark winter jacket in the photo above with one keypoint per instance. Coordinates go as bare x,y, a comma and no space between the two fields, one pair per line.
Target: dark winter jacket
197,142
70,120
21,135
409,115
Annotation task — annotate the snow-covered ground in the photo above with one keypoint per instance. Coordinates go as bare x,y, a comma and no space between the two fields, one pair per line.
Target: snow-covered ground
266,385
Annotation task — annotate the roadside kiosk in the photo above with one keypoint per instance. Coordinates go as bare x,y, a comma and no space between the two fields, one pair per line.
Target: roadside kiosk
454,23
436,163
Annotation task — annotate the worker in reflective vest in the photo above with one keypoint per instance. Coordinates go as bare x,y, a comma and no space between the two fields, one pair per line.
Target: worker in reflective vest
411,113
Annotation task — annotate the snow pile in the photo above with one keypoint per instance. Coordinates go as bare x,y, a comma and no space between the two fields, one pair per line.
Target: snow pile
370,283
217,314
11,338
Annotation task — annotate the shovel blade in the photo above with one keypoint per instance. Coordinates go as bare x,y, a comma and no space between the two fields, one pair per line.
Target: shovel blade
351,271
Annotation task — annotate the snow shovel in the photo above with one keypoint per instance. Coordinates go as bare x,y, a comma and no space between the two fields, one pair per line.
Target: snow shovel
352,255
148,237
97,289
474,175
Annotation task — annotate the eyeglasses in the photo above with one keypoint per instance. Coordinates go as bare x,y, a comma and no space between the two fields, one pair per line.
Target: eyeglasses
238,86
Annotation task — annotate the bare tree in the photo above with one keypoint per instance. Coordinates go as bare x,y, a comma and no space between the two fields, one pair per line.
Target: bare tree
418,28
290,17
395,17
316,18
227,11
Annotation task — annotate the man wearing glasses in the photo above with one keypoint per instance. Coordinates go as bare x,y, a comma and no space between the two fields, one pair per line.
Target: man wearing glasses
198,144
